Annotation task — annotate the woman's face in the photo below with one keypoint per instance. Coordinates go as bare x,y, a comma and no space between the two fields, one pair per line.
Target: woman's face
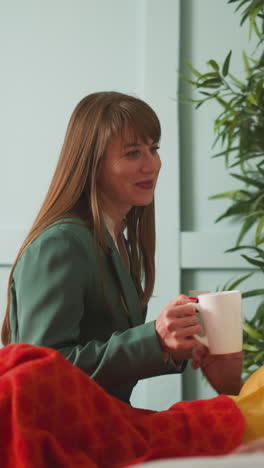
128,174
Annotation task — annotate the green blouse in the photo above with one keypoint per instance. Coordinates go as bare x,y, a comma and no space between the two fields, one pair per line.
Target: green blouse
68,294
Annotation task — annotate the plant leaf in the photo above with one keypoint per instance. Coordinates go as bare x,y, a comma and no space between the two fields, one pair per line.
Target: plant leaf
253,261
187,80
251,98
259,315
193,70
259,230
248,223
239,83
225,67
259,356
254,292
210,83
258,250
224,152
229,194
246,63
213,64
248,180
239,281
248,347
239,208
251,331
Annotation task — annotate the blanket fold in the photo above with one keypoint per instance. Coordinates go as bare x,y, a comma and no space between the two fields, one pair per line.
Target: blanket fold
53,415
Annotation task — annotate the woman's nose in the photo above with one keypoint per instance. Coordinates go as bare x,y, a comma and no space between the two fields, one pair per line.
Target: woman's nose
150,163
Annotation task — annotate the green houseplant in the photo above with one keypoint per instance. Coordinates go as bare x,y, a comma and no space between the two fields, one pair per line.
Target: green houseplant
239,128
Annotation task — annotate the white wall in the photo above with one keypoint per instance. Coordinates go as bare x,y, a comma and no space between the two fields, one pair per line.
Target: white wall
53,54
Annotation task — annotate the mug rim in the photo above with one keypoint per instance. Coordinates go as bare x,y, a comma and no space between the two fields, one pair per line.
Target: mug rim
219,293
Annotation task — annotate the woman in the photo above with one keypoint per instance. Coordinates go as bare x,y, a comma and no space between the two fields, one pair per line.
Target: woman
78,285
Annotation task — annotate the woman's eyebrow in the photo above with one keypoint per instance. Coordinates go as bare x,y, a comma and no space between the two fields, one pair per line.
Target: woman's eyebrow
128,145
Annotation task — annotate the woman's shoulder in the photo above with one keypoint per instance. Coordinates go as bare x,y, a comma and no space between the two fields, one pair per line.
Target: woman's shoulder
62,235
69,227
66,228
65,242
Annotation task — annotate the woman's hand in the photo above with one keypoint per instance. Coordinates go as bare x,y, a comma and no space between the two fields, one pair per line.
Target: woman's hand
176,326
223,371
250,447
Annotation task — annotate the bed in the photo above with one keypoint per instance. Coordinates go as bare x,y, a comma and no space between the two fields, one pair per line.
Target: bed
230,461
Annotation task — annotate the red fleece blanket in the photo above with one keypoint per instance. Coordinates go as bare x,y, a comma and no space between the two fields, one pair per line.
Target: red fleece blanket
54,415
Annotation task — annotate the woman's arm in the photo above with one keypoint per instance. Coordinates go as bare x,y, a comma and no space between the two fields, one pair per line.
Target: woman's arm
52,285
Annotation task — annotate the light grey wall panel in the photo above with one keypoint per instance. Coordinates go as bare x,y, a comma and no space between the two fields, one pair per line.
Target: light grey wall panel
4,274
208,250
10,242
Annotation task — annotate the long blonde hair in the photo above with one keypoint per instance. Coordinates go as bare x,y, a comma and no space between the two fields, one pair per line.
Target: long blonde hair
74,184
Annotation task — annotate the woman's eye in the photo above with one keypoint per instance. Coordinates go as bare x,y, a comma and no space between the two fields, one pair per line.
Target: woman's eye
133,154
154,149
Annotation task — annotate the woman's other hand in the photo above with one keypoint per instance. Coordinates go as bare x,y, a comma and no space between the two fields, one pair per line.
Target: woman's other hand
250,447
223,371
176,326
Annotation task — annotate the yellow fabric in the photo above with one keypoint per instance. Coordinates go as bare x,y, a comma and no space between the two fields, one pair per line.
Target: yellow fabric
250,401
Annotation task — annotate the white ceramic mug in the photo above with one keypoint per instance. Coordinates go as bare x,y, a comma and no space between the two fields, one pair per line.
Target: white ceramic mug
220,315
196,293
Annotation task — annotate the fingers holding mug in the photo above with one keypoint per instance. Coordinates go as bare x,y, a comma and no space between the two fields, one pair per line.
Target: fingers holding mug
176,326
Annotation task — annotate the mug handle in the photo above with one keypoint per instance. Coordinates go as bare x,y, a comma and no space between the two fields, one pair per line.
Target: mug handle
202,339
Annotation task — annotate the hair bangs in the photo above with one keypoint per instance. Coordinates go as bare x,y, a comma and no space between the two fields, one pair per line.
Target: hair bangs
135,118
